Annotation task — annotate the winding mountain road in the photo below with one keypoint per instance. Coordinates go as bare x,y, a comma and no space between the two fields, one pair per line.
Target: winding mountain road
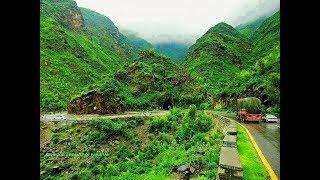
64,116
267,135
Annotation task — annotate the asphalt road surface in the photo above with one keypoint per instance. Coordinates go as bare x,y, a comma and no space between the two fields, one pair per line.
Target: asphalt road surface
267,136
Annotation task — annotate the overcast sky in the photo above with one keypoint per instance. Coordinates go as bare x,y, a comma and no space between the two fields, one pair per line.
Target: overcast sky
178,20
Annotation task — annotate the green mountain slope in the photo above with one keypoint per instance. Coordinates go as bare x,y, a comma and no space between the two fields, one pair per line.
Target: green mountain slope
107,34
73,53
266,37
217,56
138,42
248,29
173,50
151,81
231,65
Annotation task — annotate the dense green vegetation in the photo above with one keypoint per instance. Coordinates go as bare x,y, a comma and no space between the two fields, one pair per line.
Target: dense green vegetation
173,50
252,165
231,65
133,149
147,83
88,66
107,34
248,29
82,49
77,47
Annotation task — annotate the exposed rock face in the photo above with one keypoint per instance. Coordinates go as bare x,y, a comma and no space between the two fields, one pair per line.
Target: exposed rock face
104,103
75,20
65,12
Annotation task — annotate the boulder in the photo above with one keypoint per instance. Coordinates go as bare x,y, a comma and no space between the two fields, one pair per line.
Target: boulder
192,169
183,168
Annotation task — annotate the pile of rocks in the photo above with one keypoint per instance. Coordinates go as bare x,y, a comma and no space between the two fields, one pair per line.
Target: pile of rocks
186,170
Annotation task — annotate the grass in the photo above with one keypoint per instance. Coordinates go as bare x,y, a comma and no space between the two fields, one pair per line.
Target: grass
253,168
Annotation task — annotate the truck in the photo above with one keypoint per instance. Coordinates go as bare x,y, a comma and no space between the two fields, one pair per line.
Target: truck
249,109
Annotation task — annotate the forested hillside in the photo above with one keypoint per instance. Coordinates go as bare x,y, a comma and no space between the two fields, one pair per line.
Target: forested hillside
174,50
248,29
78,47
232,66
150,82
81,48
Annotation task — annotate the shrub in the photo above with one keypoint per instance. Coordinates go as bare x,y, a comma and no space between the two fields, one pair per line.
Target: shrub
135,121
105,128
98,157
219,106
55,138
97,169
112,170
123,152
159,124
203,122
83,174
184,132
192,111
205,106
175,112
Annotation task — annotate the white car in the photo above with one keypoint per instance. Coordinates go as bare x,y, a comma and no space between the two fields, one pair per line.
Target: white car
271,118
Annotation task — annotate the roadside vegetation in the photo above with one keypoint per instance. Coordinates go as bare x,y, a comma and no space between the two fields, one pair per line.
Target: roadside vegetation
253,168
135,148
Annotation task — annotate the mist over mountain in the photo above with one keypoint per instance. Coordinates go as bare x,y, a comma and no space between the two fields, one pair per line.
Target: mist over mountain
157,82
175,51
140,43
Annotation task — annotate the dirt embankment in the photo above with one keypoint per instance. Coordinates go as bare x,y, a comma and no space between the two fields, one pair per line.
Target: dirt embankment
95,103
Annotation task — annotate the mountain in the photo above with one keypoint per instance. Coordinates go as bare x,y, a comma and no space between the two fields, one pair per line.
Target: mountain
175,51
248,29
217,56
266,36
108,34
140,43
150,82
233,65
77,47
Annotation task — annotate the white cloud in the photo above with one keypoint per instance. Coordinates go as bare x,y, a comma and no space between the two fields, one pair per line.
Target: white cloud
166,20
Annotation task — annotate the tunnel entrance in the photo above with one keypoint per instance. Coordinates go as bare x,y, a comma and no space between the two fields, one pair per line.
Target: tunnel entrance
168,104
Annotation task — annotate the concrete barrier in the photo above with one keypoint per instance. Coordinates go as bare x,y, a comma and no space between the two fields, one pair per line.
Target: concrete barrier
232,130
230,141
229,163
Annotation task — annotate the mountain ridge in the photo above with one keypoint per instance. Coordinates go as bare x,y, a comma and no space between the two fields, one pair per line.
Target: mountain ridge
232,65
76,49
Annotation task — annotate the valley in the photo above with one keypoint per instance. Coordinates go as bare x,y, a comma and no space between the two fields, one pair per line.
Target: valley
131,109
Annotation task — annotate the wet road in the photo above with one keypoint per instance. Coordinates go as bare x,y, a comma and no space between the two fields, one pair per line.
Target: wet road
267,136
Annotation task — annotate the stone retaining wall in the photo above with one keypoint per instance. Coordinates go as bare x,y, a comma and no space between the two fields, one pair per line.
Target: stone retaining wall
230,167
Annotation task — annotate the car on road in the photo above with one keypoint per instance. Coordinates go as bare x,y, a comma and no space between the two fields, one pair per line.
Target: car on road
60,117
271,118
